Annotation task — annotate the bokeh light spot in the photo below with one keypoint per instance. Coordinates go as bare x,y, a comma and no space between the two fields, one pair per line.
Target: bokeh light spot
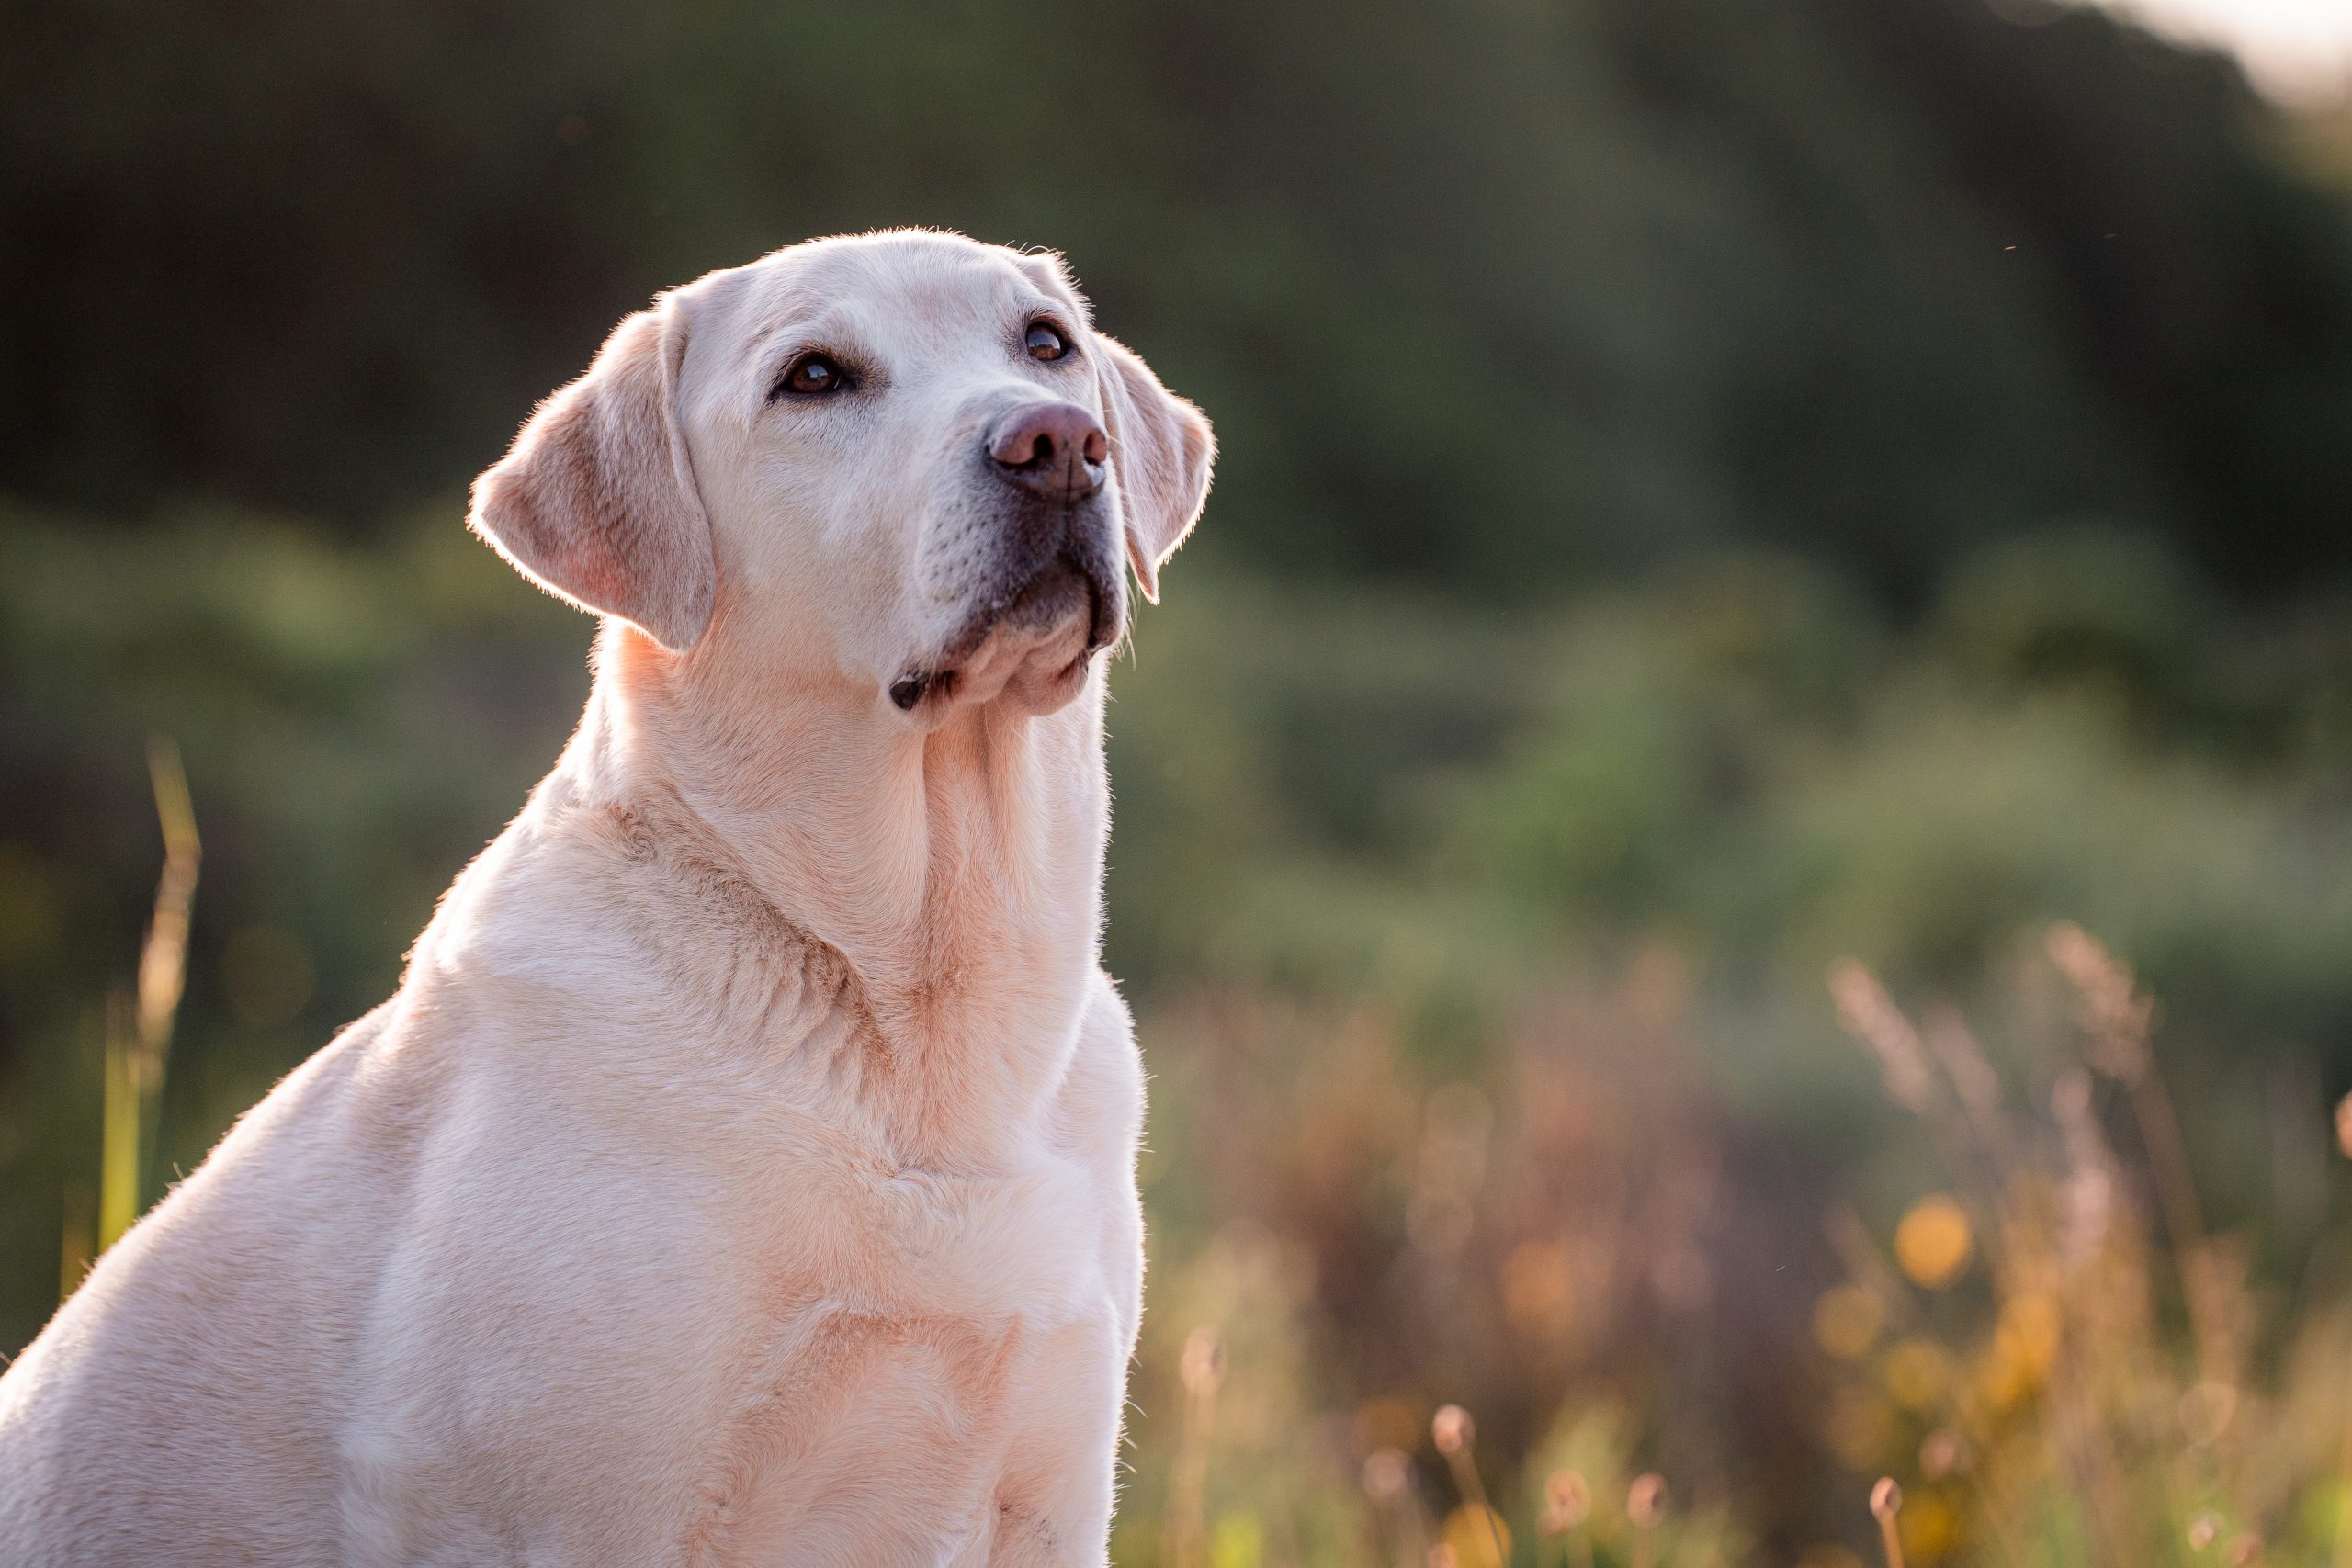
1934,1242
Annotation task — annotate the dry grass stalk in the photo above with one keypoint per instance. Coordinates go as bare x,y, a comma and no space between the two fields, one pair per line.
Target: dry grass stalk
1567,1514
75,1251
1645,1506
1886,1507
1960,1115
1456,1436
1870,1016
1202,1368
138,1029
118,1139
2062,1237
2075,1392
1388,1482
2117,1021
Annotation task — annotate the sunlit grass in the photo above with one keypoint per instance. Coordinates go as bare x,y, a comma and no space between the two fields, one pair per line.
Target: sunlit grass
139,1031
2045,1359
2049,1359
1532,1214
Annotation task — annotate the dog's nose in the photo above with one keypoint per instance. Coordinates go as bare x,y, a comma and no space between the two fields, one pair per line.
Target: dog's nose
1053,450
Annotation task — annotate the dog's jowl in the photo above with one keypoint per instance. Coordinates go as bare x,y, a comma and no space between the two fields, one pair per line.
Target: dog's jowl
744,1172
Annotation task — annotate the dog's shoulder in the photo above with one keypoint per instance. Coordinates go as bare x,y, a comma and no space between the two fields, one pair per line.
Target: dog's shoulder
1102,1100
620,918
198,1353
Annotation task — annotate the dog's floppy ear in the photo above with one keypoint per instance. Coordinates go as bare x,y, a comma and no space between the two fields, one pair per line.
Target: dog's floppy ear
596,501
1160,449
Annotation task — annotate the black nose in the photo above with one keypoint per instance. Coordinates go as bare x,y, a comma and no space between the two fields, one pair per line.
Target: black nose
1053,450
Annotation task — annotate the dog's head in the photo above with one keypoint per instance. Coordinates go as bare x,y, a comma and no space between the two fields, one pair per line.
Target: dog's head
904,460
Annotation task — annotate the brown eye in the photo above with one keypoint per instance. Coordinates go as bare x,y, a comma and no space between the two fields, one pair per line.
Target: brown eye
1045,342
813,375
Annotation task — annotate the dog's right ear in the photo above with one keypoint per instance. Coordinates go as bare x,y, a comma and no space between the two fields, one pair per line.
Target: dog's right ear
1162,449
596,500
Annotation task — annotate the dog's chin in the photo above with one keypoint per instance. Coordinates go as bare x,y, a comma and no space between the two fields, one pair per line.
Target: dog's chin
1033,652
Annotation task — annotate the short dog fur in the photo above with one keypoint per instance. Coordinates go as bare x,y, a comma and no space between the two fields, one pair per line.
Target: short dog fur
744,1172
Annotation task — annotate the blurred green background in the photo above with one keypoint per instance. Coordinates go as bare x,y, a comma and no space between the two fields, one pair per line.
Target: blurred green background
1709,487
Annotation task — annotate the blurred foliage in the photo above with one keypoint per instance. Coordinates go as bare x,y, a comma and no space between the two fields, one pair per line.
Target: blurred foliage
1482,293
1679,1349
1709,490
1480,958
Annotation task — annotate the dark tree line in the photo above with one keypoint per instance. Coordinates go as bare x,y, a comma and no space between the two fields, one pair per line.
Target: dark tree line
1492,293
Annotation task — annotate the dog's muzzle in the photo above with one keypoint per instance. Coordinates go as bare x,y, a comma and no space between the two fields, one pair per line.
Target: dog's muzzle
1055,554
1070,585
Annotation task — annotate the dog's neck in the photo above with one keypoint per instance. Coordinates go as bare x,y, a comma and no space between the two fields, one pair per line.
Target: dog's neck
956,872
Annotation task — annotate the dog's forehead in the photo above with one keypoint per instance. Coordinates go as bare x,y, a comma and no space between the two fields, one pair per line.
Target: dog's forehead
920,288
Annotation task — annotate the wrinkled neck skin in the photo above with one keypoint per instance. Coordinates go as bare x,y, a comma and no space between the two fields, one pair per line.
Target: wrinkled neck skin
956,872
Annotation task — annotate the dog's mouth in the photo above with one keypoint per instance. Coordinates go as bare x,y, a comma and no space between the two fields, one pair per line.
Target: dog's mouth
1034,638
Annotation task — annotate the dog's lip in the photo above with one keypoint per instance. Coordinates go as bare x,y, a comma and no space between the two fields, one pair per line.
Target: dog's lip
936,677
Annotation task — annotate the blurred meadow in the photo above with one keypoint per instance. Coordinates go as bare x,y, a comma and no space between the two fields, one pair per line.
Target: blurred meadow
1734,842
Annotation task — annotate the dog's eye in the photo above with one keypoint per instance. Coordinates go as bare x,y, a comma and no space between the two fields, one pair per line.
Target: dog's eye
812,376
1045,342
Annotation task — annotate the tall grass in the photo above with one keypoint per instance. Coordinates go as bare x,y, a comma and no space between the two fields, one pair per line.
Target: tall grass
139,1031
2044,1356
2121,1391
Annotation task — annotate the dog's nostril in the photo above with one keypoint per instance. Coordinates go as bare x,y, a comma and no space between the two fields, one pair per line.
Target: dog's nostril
1055,449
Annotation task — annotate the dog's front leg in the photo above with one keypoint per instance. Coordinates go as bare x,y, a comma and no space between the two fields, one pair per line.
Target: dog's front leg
1053,1501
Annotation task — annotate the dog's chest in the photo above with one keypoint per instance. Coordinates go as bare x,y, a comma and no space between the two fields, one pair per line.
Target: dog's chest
731,1329
972,1349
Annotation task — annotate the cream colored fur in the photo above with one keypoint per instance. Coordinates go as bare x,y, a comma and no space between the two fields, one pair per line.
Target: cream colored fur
744,1172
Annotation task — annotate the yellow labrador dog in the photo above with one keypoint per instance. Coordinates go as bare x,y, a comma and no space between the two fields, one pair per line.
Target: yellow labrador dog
744,1171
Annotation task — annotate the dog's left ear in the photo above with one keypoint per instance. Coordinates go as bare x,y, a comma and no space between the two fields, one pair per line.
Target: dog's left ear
1162,449
596,500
